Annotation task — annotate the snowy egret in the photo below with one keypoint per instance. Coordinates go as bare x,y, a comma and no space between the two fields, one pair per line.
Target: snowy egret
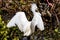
37,19
24,25
21,21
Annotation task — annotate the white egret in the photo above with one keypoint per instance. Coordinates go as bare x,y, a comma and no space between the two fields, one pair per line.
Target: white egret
21,21
24,25
37,19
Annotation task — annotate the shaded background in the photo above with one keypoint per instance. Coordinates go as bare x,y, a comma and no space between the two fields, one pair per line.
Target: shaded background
50,15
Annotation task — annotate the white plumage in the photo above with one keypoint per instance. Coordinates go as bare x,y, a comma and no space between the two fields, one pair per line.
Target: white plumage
37,19
21,21
24,25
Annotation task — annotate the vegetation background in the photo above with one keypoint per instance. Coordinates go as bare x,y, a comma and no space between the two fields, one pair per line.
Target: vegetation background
50,15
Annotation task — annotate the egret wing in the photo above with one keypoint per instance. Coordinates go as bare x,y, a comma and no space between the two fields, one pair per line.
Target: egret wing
40,23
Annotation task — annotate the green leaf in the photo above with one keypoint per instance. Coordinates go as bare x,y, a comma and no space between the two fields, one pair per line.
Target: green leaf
5,38
56,30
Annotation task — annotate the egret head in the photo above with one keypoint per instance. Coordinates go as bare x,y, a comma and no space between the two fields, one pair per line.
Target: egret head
33,7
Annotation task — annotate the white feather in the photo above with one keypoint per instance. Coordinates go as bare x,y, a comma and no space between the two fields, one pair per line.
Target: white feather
37,19
21,21
24,25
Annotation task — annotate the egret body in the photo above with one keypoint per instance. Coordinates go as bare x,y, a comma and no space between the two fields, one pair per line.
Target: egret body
25,26
37,19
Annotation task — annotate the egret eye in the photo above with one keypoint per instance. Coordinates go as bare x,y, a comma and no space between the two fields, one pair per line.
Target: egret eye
36,10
